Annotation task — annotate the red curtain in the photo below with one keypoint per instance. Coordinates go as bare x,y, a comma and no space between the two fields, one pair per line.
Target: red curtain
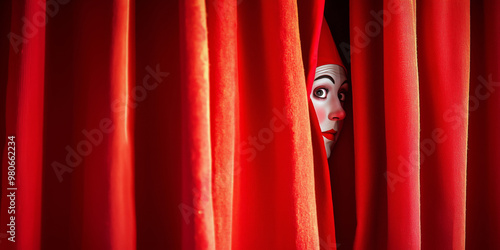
186,125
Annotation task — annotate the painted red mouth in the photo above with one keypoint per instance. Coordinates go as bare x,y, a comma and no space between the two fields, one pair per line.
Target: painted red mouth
329,134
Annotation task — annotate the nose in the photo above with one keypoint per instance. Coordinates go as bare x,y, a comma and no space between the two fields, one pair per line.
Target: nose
336,111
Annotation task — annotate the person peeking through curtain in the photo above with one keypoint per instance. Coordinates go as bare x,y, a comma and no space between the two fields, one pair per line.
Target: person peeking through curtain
329,89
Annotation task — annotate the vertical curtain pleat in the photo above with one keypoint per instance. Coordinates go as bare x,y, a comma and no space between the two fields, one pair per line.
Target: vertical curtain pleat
62,171
196,145
483,187
367,67
222,41
121,151
104,175
88,158
443,57
274,185
424,129
492,77
25,97
160,212
311,13
402,125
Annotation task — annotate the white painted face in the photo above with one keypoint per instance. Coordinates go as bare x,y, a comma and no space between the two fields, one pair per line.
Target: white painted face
328,95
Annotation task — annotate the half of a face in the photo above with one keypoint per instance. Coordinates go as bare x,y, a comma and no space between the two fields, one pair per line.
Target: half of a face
328,95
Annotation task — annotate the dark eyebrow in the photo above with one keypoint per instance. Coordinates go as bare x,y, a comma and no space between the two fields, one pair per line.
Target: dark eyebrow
325,76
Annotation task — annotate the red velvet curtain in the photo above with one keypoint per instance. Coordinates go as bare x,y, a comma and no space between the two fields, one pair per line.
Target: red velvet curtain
186,125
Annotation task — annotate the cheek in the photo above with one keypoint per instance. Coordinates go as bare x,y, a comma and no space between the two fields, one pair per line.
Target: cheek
320,113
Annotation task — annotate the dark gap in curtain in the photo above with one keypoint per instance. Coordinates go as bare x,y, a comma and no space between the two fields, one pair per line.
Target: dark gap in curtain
60,196
157,137
483,188
342,161
477,204
367,78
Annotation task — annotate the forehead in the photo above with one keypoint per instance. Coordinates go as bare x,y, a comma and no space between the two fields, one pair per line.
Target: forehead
334,71
339,71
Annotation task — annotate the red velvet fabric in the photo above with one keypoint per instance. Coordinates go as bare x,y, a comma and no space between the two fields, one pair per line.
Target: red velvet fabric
327,50
186,125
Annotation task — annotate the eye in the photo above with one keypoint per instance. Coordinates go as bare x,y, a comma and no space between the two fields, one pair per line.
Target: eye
320,93
342,96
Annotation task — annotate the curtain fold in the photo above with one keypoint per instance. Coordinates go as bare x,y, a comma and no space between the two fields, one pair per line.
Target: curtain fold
223,54
444,58
483,227
24,120
196,160
402,125
187,125
367,55
274,189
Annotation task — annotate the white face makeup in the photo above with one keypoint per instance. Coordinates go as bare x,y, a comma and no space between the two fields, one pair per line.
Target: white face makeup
328,95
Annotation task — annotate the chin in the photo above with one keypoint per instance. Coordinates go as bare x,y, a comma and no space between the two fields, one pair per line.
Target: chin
328,146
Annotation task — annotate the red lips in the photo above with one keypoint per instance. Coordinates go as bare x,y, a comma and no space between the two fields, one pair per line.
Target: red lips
329,134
